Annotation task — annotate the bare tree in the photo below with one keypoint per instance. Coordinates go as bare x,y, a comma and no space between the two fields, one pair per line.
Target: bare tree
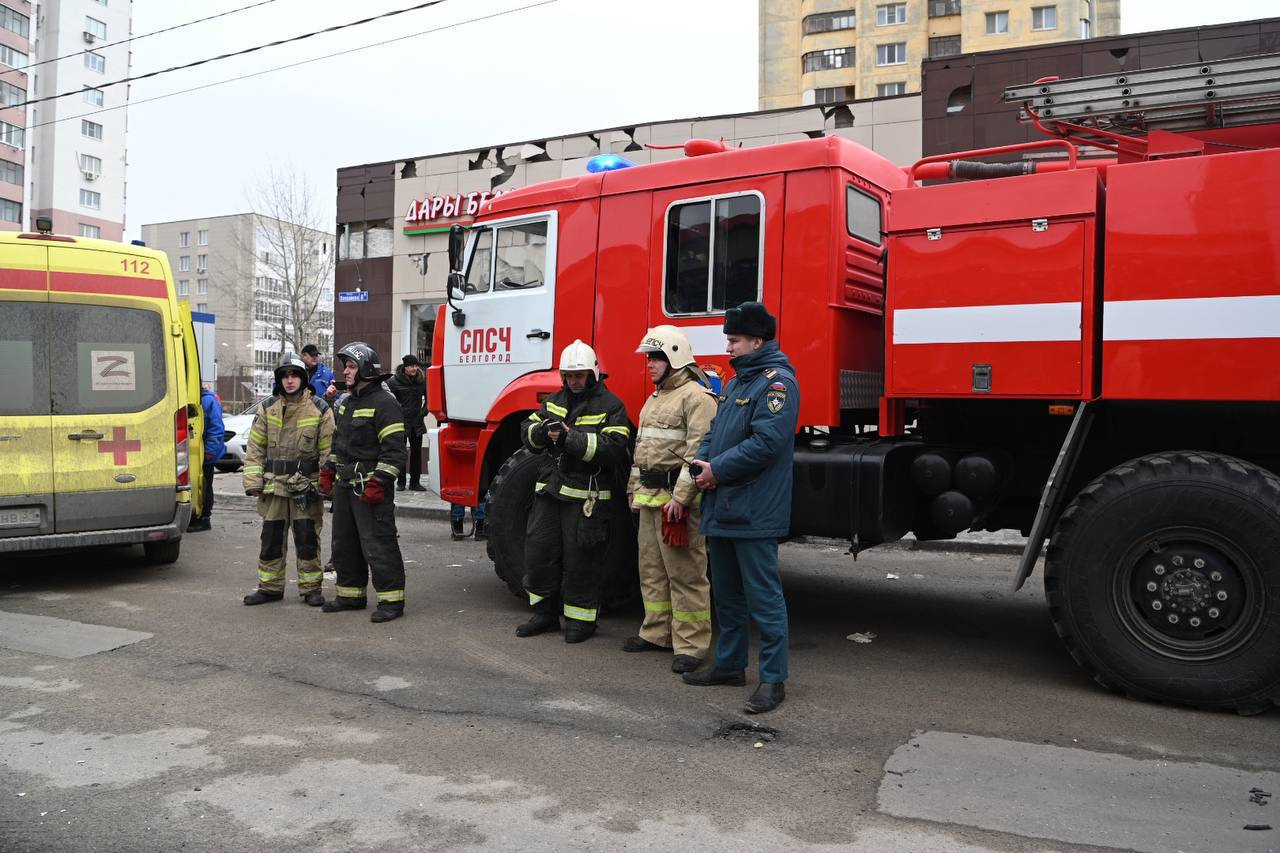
288,249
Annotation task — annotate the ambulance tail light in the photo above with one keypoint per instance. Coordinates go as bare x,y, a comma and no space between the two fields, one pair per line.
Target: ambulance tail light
182,447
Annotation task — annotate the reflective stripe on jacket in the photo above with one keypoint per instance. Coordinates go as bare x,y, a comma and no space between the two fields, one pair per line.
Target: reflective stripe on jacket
370,431
288,429
674,418
595,450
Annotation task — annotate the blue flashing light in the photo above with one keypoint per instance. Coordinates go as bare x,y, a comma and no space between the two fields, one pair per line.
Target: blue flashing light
607,163
138,242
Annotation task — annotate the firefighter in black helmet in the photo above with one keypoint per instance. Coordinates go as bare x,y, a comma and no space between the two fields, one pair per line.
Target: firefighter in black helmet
368,456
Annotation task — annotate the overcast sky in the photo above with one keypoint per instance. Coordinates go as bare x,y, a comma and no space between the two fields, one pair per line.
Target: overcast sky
529,71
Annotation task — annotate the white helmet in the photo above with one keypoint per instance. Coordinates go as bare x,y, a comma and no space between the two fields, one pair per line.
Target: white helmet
579,356
671,342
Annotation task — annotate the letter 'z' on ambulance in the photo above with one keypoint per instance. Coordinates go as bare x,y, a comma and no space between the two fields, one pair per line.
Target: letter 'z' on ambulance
99,397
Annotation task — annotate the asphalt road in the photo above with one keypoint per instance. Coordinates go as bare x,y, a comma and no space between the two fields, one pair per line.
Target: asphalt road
962,725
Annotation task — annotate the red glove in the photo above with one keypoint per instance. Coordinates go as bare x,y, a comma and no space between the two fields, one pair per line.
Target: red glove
374,492
675,533
326,482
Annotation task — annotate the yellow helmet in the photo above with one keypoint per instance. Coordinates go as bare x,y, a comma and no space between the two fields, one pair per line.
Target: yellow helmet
579,356
669,341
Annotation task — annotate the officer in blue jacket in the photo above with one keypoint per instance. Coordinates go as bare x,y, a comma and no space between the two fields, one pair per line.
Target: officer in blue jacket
214,446
746,463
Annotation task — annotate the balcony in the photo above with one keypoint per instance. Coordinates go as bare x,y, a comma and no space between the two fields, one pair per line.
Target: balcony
943,8
944,46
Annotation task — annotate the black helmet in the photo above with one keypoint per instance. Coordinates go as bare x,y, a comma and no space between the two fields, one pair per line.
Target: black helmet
291,363
368,365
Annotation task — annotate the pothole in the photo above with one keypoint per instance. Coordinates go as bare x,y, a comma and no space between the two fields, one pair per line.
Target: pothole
746,731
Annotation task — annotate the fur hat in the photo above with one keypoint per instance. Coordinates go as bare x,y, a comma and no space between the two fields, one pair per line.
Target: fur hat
409,359
752,320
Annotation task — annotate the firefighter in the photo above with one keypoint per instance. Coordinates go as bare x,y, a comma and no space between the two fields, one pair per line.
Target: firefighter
368,456
290,438
584,435
673,553
746,463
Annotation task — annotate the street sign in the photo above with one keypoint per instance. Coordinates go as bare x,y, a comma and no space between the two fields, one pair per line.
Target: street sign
353,296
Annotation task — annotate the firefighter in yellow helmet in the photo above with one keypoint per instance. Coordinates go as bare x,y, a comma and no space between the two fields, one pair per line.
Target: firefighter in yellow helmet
289,440
584,436
673,553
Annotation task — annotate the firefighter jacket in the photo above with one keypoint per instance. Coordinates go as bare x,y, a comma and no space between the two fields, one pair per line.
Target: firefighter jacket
370,436
673,421
291,435
751,446
410,392
594,450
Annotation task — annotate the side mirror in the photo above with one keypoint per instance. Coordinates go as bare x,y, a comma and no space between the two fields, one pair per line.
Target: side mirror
457,286
457,245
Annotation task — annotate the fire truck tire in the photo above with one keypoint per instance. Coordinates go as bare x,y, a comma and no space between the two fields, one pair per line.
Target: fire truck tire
511,496
1163,580
162,553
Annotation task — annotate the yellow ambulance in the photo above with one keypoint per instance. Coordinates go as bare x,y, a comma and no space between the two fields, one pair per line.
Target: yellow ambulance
100,416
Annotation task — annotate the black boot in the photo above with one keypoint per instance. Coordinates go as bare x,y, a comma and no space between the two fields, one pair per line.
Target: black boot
455,528
343,604
575,630
198,525
480,533
539,623
313,598
685,663
415,486
386,612
766,698
399,485
640,644
260,596
715,675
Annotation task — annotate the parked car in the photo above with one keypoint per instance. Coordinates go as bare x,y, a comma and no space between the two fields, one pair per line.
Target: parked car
239,424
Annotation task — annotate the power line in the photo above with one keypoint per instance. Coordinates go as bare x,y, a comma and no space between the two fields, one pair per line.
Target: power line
251,75
247,50
152,33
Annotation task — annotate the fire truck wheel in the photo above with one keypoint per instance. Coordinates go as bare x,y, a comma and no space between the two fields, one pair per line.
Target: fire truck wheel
511,496
1163,580
162,553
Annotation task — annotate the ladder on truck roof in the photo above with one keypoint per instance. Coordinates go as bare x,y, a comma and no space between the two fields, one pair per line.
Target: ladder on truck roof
1220,93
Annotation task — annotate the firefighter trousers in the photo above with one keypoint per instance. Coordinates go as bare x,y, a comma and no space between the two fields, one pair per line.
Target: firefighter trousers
364,544
674,586
744,577
280,515
561,575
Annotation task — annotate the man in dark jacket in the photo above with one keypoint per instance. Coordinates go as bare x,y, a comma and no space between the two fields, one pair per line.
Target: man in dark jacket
584,436
409,386
746,463
367,457
214,446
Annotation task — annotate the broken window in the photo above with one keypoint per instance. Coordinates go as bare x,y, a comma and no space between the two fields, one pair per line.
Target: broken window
713,254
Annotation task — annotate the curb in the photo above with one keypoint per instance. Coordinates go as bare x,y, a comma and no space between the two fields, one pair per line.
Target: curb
233,501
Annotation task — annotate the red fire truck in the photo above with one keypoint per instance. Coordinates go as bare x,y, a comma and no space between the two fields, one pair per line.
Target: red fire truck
1080,345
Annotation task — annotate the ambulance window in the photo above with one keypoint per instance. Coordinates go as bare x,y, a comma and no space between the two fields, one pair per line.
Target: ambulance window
713,255
863,217
24,352
106,359
521,256
479,276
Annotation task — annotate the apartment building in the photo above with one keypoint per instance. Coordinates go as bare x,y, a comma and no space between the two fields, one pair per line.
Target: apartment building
15,53
76,145
256,275
831,51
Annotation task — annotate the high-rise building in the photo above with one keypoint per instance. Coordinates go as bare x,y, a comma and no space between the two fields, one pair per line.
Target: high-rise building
15,53
76,145
829,51
256,275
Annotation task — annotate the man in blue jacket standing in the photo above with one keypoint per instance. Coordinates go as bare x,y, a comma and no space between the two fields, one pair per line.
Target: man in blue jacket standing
214,446
319,376
746,462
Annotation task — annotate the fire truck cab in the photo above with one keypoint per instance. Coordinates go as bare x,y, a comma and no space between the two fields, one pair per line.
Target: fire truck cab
1074,348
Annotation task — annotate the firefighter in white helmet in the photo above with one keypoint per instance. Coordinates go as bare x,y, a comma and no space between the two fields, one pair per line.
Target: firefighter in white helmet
584,435
673,553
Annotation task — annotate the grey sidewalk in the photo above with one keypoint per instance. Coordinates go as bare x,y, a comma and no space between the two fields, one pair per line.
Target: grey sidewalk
227,492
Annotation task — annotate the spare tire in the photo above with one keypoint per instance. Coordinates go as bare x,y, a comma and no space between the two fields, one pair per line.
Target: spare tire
510,499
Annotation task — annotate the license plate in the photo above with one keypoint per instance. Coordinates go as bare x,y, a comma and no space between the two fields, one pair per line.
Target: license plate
22,516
